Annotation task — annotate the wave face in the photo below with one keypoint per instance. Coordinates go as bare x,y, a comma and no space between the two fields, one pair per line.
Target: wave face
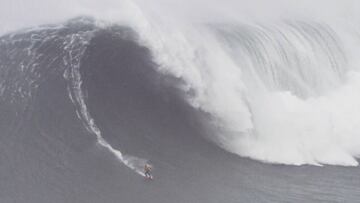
285,93
47,64
280,94
71,83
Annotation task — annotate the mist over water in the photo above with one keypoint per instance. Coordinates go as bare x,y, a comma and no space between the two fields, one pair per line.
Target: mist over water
280,80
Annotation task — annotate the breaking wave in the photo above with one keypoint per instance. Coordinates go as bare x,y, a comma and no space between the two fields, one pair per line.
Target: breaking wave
284,92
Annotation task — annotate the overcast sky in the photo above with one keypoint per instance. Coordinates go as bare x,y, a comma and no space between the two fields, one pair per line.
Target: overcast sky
22,13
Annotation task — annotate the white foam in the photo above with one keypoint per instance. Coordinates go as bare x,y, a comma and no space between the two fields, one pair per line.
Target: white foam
279,92
76,45
285,94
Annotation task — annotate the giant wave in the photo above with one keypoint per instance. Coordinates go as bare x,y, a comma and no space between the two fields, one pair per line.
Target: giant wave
284,92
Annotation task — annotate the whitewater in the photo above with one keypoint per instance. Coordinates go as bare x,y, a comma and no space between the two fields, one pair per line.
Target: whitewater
280,91
231,101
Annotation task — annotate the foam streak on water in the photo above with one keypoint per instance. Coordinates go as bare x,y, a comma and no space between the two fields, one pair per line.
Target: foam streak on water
76,46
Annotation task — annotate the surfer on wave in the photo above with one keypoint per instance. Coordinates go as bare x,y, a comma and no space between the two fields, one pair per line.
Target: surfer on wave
147,170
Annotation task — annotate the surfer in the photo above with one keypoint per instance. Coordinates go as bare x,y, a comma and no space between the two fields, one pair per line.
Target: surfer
147,169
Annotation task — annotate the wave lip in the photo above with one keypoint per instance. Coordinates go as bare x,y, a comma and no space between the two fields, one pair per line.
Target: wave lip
289,101
280,93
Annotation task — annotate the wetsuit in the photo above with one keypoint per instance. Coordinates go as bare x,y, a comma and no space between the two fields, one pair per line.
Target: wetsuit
147,172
